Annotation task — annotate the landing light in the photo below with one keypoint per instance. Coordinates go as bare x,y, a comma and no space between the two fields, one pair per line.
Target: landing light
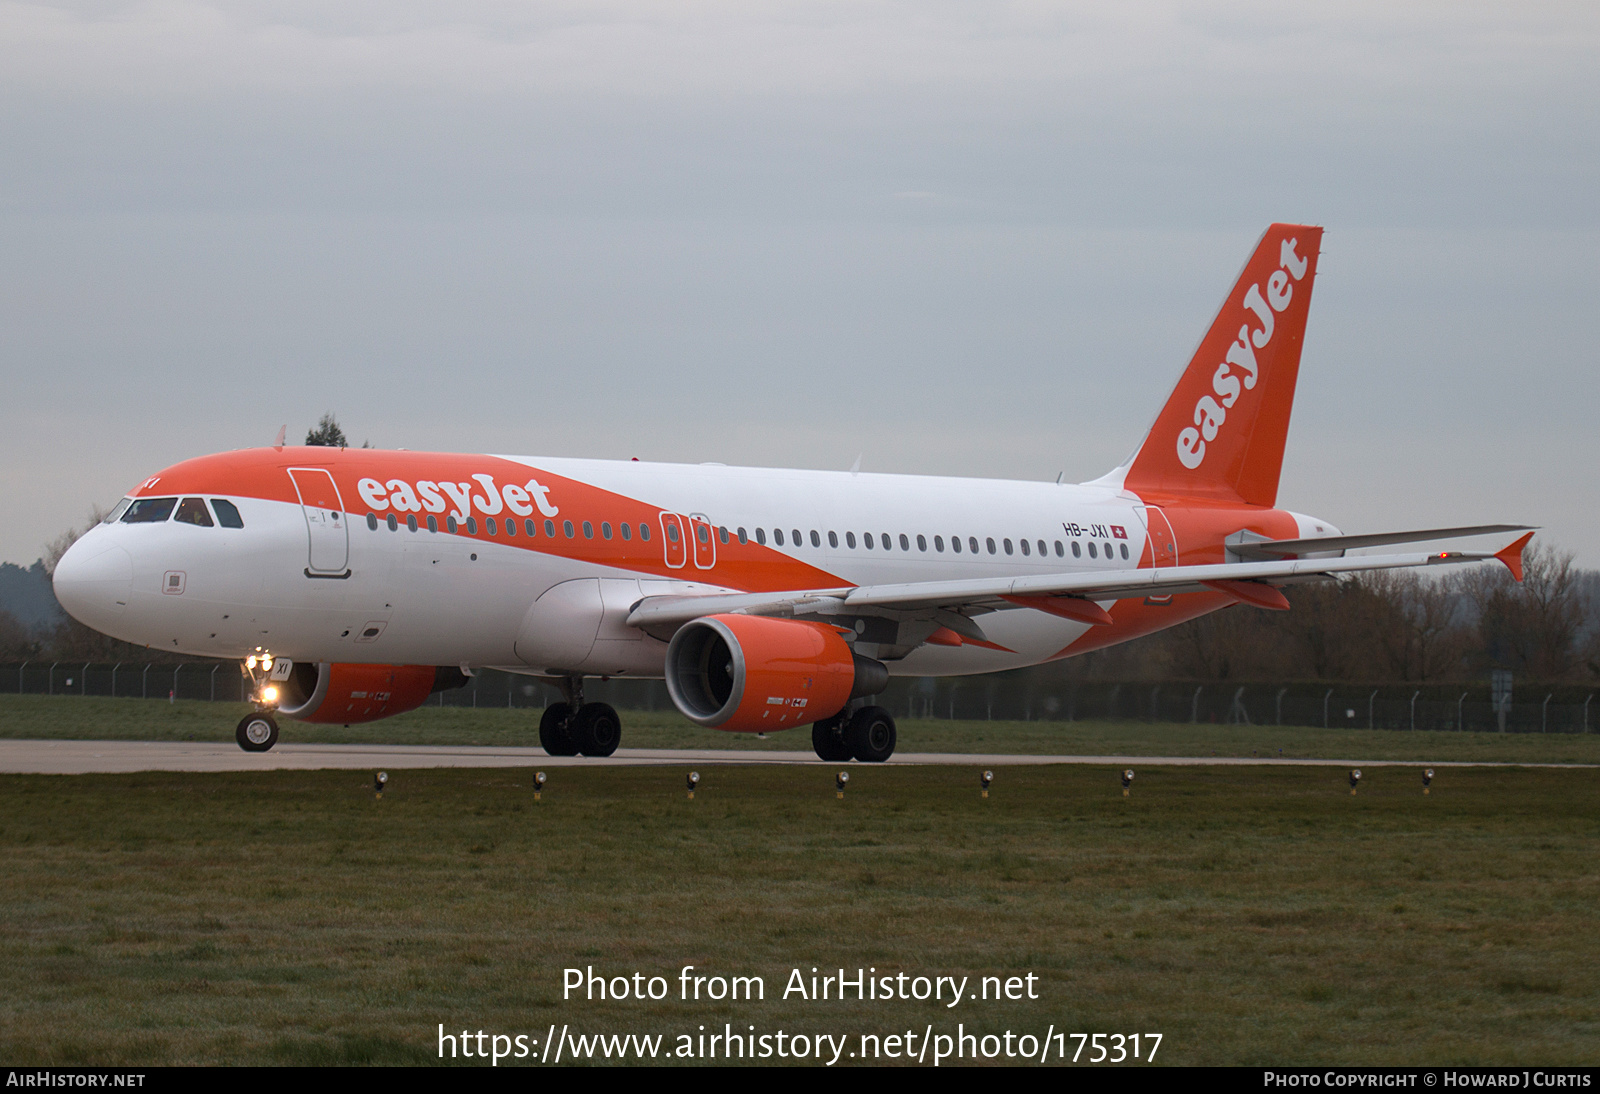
269,694
266,664
250,662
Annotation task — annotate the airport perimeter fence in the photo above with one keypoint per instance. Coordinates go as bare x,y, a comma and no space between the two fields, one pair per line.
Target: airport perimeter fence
1009,697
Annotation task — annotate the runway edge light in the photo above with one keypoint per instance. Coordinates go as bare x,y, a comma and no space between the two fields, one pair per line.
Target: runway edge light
1355,777
379,781
985,779
1427,778
839,783
1127,781
694,777
538,784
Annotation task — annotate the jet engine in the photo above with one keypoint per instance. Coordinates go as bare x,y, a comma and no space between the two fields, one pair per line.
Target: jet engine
346,693
752,674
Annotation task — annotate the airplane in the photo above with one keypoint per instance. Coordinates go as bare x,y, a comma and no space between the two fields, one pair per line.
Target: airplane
353,584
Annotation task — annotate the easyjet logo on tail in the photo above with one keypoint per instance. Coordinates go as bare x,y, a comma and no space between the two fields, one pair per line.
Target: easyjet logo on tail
1238,371
406,497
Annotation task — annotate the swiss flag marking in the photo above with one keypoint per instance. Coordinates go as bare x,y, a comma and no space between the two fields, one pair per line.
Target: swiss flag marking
1118,532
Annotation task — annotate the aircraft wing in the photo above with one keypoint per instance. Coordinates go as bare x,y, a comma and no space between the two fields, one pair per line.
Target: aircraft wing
1071,594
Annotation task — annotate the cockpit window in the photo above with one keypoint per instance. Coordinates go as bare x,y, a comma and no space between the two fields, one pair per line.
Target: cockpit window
149,511
227,513
193,511
116,514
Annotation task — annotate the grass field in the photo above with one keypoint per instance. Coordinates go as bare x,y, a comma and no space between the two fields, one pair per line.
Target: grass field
39,716
1250,915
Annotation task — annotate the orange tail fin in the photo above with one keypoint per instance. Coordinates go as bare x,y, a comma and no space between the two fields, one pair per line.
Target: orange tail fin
1222,432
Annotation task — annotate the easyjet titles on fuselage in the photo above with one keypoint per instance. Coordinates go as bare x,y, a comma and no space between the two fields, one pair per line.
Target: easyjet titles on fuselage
425,496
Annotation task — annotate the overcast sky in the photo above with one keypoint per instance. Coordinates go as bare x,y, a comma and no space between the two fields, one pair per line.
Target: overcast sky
953,238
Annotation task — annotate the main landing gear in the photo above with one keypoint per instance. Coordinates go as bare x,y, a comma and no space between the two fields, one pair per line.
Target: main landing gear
577,728
867,735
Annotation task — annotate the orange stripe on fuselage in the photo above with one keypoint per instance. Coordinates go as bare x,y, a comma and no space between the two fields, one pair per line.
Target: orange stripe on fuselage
1200,530
263,473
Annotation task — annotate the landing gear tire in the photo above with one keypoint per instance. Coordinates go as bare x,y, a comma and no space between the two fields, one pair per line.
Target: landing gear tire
827,738
555,730
257,732
597,730
871,735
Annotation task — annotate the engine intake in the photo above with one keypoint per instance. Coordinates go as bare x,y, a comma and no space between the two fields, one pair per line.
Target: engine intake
751,674
346,693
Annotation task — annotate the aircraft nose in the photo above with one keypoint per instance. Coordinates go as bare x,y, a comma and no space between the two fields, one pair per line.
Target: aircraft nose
92,582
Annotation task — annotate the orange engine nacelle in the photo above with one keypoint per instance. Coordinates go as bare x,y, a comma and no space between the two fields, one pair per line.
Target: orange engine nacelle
345,694
751,674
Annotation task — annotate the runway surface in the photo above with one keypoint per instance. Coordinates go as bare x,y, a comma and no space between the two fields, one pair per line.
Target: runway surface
110,757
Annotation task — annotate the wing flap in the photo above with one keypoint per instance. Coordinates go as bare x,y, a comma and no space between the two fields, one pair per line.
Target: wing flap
955,596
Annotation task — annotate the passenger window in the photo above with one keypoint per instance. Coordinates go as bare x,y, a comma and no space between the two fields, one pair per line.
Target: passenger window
566,526
627,531
227,513
905,544
850,540
1106,547
372,522
722,533
588,530
833,539
472,525
511,527
972,544
1025,550
743,538
1042,549
605,529
433,523
149,511
411,522
955,544
990,541
866,539
777,536
450,523
644,532
938,544
1124,550
761,537
550,529
492,525
797,540
1091,550
1059,552
394,525
816,540
1076,552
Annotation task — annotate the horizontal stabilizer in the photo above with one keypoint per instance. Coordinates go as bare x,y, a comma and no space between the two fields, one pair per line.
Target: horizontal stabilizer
1293,548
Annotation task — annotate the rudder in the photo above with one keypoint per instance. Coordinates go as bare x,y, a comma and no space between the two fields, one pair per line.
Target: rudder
1221,433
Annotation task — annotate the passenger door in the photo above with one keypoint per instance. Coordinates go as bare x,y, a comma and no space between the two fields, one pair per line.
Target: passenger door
328,553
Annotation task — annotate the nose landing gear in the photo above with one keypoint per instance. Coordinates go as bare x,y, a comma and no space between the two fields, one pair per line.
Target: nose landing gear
258,730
